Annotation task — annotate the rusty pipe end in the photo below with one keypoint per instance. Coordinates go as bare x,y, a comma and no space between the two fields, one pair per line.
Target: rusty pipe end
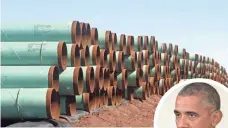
53,77
120,63
103,56
123,43
145,42
78,81
76,32
62,55
113,78
90,80
112,63
53,104
124,78
140,43
94,36
146,56
106,72
108,40
88,101
139,74
87,56
83,34
130,45
88,33
114,41
99,77
96,55
75,55
140,60
134,59
70,105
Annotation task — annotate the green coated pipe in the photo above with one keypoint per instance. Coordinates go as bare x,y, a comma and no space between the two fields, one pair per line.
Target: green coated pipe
189,75
34,54
140,92
122,81
30,77
146,72
71,81
129,63
84,102
163,71
26,32
153,72
88,78
182,64
94,51
105,39
73,55
30,103
174,74
68,105
135,77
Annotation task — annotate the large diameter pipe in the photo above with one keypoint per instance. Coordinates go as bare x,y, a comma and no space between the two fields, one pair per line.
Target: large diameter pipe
34,54
88,78
105,40
114,41
94,36
113,79
107,76
140,92
84,102
130,62
146,73
94,51
170,49
122,81
119,96
130,45
73,55
85,56
27,32
71,81
68,105
146,56
111,60
99,77
135,78
104,56
145,43
30,77
111,95
30,103
83,34
119,61
88,34
138,44
121,43
151,44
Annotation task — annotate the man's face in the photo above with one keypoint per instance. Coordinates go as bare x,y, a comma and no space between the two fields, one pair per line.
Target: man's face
191,112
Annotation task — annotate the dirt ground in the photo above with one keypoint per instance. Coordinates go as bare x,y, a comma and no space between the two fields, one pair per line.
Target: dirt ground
135,114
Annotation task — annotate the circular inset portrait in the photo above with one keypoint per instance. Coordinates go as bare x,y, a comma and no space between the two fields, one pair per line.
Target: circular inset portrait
193,103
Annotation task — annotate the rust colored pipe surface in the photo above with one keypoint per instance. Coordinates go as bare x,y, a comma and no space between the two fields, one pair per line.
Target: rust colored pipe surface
148,89
85,56
122,43
62,55
111,60
108,42
83,32
170,49
88,77
111,96
114,41
130,45
122,81
88,33
99,77
94,55
140,59
75,55
120,61
152,85
113,78
151,44
103,58
146,73
145,43
88,99
94,36
106,73
119,96
139,44
145,57
175,50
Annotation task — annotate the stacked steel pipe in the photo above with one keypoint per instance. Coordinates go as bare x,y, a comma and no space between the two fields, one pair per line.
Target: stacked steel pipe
64,67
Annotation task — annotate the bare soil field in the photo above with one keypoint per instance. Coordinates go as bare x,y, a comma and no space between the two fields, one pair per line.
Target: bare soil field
132,114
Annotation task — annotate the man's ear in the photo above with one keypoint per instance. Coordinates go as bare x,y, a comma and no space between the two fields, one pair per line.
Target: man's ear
216,117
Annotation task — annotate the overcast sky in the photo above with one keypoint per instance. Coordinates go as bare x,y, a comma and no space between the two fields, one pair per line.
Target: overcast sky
200,26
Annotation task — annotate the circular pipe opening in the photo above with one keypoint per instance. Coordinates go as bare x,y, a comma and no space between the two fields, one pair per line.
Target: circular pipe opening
87,55
152,43
147,76
106,73
176,49
78,82
76,32
103,56
170,48
90,82
83,33
140,59
113,79
94,36
62,55
88,33
70,105
52,104
112,64
53,78
75,55
145,42
114,41
108,40
88,101
101,77
96,55
123,43
130,45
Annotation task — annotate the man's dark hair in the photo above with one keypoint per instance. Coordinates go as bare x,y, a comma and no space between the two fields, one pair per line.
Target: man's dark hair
208,92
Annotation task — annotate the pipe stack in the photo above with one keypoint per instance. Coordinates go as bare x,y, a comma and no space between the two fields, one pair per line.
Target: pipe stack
71,66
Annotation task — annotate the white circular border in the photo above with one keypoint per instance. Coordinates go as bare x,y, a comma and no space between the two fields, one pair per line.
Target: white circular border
180,84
